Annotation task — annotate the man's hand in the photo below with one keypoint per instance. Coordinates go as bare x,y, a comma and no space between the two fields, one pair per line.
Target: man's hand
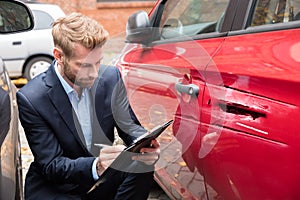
107,155
149,155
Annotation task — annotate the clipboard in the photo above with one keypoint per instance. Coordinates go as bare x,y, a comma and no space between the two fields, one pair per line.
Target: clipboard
135,147
145,140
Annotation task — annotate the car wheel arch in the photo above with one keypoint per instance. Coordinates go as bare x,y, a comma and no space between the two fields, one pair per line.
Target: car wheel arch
25,72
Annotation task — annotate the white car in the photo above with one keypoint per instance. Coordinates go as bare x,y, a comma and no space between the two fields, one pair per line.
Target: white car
27,54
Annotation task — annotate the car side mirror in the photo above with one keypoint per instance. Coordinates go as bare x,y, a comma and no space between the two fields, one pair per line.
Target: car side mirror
15,16
138,29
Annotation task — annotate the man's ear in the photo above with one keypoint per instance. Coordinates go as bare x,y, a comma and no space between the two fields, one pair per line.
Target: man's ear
58,54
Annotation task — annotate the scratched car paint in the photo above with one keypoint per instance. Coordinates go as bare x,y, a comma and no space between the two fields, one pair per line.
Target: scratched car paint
227,73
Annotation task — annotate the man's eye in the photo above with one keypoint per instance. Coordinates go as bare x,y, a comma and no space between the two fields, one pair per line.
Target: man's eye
85,65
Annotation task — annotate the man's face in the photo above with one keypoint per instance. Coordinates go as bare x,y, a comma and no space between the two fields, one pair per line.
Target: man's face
82,67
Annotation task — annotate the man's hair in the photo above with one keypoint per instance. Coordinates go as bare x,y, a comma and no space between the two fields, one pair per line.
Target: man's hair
77,28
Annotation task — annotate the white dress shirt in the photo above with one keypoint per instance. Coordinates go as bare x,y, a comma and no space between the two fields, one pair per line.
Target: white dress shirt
82,108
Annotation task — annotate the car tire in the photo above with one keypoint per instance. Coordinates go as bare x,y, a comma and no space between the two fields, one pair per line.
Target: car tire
36,66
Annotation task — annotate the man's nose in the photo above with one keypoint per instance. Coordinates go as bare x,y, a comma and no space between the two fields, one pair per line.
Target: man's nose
93,72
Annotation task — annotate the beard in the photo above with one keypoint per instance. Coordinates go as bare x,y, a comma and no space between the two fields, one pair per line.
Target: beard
68,73
82,83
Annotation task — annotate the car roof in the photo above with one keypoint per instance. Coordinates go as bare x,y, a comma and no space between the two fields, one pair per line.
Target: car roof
52,9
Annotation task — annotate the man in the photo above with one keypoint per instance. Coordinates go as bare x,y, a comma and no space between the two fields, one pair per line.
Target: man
73,107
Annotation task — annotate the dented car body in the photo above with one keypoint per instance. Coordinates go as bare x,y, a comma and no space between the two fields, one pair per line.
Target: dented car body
228,73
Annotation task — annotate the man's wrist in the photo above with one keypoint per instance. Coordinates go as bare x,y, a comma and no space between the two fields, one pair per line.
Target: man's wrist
99,168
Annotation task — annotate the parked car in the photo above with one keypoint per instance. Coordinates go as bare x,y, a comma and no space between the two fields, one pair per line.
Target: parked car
15,18
27,54
227,72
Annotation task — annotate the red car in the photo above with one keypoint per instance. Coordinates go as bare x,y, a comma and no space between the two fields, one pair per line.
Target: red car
228,73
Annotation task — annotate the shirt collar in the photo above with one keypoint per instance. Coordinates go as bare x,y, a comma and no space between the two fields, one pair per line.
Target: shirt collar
69,90
64,83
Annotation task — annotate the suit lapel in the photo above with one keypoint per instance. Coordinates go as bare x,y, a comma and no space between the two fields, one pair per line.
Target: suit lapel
98,133
63,106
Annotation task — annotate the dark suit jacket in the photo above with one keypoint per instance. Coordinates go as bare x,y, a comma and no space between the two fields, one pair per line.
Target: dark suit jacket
62,164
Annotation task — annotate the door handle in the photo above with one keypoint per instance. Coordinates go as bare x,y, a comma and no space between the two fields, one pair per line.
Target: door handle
239,109
17,43
190,89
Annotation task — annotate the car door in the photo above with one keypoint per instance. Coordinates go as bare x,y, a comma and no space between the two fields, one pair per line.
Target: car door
252,150
11,185
15,52
165,80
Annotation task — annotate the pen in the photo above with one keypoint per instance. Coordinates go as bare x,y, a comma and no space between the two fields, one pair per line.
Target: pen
101,180
101,145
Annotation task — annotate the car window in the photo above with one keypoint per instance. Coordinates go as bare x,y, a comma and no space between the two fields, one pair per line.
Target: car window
42,20
191,17
13,18
275,11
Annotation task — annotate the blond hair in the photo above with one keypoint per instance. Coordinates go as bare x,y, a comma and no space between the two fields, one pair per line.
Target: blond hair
77,28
